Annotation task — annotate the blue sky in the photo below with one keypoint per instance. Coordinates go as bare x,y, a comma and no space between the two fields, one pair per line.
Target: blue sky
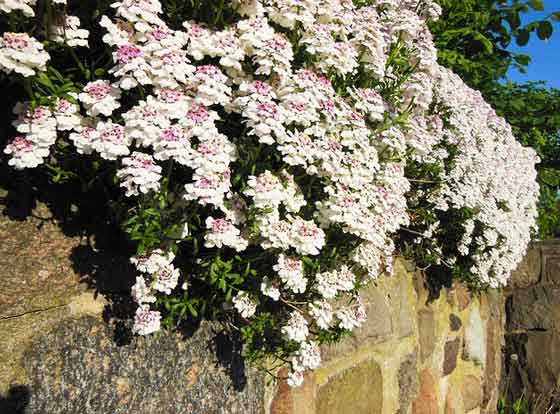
545,64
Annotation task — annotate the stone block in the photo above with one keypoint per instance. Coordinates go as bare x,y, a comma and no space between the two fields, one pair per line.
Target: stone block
450,354
426,401
78,368
378,327
552,269
408,382
472,392
288,400
357,390
475,342
543,364
454,402
426,333
494,358
403,306
454,322
462,296
532,308
528,272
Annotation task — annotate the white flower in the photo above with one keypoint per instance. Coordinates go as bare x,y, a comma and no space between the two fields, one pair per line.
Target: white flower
244,304
223,233
308,356
140,174
268,289
296,329
25,153
8,6
141,293
290,271
69,32
111,141
153,262
22,54
100,97
295,379
330,283
322,313
352,316
166,279
146,321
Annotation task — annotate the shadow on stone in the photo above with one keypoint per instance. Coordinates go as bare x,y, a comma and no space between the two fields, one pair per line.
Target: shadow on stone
16,401
436,279
228,348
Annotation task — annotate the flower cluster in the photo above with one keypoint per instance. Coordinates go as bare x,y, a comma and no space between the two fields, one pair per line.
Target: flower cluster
22,54
273,157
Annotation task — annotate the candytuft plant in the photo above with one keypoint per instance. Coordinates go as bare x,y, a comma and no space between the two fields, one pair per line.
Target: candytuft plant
267,157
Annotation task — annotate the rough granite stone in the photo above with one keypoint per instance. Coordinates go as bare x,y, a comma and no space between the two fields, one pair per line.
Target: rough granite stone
450,353
357,390
426,333
408,382
78,368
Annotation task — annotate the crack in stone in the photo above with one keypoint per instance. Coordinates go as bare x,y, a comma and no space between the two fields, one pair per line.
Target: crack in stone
6,318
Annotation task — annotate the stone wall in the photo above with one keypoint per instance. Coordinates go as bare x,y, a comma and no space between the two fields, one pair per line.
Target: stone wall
413,356
532,353
62,349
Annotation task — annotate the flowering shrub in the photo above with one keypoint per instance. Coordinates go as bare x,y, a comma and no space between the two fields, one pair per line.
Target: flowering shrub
270,154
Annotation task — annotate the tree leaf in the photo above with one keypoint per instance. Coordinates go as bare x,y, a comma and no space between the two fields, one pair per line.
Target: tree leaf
522,37
544,31
537,5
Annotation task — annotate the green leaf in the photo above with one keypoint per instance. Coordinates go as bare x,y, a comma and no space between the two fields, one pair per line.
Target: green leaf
522,59
537,5
555,16
544,31
522,37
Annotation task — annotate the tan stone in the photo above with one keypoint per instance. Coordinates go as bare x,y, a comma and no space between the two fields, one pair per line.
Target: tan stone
378,327
403,301
357,390
454,403
426,333
426,401
472,392
288,400
462,296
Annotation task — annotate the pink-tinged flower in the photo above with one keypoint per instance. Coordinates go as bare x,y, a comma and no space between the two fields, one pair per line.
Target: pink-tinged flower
146,321
25,153
140,174
100,98
22,54
128,52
